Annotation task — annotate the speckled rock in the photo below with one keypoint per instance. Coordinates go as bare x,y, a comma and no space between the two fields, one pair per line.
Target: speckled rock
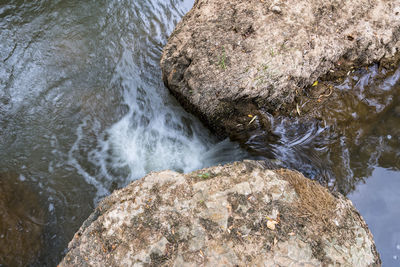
240,214
227,59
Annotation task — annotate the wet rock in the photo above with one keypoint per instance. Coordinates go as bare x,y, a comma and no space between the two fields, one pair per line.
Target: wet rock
228,59
222,216
21,224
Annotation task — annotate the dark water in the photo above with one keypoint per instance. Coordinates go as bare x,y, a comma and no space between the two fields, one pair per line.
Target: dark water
83,111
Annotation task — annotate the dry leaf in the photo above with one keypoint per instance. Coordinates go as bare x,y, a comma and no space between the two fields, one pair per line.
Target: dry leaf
271,224
315,83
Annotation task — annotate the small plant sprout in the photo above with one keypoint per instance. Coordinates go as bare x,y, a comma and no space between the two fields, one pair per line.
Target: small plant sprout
222,59
272,53
204,176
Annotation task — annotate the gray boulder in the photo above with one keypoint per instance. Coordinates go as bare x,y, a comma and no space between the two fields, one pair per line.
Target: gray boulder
240,214
228,59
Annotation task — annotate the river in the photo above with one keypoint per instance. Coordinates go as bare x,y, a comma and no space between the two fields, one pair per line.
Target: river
83,111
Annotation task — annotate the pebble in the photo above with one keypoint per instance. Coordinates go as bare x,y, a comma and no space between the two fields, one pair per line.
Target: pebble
276,9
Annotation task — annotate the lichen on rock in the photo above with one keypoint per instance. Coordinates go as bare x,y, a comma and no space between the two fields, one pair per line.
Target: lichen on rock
219,216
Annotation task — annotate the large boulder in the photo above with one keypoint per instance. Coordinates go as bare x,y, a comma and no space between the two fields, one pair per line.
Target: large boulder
228,59
240,214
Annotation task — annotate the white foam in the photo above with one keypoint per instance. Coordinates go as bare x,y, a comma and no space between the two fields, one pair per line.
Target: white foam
101,190
155,134
22,177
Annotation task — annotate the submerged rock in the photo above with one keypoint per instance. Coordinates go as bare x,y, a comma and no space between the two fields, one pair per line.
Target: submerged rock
228,59
21,222
240,214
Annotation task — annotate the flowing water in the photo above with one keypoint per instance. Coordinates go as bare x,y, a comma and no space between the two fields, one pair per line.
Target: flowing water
83,111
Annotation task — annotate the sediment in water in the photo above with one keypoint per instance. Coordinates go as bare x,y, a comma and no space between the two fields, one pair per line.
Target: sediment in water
22,221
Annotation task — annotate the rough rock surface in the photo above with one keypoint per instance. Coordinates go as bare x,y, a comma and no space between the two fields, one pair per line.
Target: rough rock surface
240,214
228,59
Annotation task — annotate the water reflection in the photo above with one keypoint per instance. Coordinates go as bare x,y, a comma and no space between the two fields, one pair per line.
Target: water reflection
359,130
378,200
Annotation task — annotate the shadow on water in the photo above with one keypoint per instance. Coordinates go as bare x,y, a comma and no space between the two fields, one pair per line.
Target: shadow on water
83,111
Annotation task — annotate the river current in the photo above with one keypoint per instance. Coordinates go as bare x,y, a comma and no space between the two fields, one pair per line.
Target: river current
83,111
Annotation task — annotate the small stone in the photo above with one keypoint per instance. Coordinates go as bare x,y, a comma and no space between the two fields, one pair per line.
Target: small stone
276,9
